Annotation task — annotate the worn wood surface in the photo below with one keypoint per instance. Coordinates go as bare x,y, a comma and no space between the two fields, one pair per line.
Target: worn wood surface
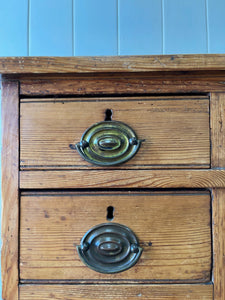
123,83
176,224
217,113
123,179
10,197
19,65
126,292
175,129
219,243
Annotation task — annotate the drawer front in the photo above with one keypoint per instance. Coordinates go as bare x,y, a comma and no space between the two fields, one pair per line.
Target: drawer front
173,228
175,130
127,292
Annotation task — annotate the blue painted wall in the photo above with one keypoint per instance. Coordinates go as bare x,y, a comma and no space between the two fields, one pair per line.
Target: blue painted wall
111,27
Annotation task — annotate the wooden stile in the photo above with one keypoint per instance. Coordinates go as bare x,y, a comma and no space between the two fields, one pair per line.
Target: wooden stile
218,206
218,203
10,191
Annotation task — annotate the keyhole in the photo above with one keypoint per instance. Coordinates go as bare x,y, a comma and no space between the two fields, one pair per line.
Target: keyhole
108,115
110,211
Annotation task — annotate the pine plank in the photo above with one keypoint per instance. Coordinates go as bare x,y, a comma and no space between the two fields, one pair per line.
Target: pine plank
176,224
133,84
126,292
218,203
10,196
123,179
23,65
217,109
175,129
219,243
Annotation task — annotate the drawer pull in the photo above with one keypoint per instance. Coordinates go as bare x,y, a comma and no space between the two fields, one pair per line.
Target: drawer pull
109,248
108,143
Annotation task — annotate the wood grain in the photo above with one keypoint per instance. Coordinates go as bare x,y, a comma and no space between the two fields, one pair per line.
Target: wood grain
10,197
123,179
123,83
126,292
21,65
175,129
177,225
219,243
217,109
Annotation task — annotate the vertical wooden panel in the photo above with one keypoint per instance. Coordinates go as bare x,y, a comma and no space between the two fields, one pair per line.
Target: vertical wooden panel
216,21
140,27
95,27
50,28
218,161
185,26
218,242
10,199
13,27
217,108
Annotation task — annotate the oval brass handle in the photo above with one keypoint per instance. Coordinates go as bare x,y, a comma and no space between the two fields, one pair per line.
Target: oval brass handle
109,248
108,143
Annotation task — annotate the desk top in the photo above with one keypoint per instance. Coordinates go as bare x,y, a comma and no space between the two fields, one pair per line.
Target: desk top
112,64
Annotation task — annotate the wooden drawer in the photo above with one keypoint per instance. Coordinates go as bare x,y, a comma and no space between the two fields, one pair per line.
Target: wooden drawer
175,129
173,228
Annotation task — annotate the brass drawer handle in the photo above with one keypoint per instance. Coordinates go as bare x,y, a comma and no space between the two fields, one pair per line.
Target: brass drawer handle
109,248
108,143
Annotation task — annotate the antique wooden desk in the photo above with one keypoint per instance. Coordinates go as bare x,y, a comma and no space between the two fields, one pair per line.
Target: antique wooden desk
113,177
